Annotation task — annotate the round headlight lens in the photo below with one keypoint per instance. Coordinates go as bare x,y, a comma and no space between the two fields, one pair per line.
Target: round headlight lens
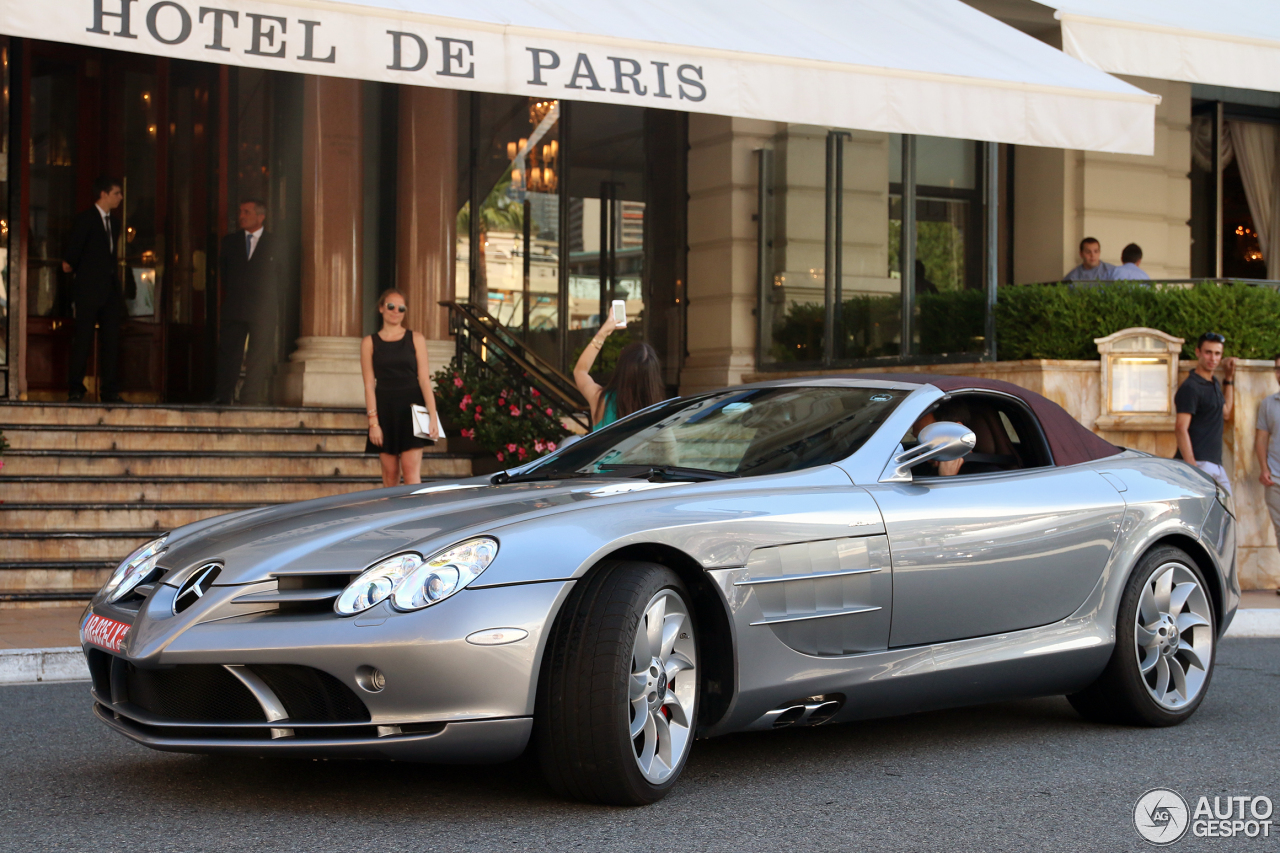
135,567
374,585
444,574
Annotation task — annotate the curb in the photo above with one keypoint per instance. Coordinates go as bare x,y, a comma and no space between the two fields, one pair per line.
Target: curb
28,665
1255,622
18,666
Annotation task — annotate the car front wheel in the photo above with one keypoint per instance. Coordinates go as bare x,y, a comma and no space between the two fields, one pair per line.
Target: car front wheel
617,701
1163,660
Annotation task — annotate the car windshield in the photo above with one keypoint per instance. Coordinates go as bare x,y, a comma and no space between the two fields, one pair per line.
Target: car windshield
729,434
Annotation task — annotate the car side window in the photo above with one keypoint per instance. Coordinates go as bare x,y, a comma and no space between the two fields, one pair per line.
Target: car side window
1008,436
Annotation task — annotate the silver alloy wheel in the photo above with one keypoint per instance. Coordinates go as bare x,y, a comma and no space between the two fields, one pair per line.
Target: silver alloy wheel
663,686
1173,634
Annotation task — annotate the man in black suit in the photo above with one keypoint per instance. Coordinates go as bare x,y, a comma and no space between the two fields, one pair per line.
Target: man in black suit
91,255
250,273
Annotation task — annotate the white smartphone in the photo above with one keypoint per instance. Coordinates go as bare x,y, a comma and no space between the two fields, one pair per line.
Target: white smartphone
620,312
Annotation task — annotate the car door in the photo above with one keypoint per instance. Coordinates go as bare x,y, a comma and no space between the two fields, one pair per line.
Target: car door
986,553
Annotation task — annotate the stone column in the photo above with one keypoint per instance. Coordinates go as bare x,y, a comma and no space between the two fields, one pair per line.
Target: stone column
426,212
325,368
722,250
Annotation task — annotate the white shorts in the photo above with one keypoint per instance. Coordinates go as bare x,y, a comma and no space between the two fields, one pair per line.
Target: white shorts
1217,472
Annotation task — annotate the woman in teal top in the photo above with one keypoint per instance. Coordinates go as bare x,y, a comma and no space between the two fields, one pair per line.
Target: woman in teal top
636,383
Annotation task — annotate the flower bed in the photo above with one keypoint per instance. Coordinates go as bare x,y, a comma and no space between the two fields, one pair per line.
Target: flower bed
513,423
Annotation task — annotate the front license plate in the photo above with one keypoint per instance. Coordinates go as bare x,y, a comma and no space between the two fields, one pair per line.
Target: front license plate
103,632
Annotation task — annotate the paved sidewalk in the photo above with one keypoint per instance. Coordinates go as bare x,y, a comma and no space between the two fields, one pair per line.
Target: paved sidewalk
40,627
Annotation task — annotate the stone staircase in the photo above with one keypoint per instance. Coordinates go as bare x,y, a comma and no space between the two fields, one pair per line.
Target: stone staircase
84,485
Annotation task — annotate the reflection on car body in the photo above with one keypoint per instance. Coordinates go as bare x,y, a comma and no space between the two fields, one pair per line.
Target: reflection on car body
764,556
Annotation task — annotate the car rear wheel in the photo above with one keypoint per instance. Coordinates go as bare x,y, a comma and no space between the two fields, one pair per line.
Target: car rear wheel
617,701
1163,660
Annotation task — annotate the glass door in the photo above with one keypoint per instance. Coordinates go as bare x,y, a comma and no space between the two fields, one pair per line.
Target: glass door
149,122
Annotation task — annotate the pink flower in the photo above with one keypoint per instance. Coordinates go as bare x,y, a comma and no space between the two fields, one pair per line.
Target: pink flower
502,401
478,418
549,410
538,445
457,381
511,448
515,411
499,455
551,445
534,392
467,433
479,409
523,453
529,406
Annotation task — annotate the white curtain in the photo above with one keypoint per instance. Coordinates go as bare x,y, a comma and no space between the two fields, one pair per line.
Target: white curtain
1254,145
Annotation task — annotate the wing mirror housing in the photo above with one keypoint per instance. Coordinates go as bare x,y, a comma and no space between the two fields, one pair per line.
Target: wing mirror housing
940,441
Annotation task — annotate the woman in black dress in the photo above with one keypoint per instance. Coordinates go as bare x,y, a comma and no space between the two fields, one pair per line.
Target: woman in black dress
396,377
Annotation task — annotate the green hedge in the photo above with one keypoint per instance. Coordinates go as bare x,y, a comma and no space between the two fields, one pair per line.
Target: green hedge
1041,321
1059,321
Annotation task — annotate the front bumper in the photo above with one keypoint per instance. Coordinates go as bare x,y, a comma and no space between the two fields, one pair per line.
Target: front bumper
445,699
467,742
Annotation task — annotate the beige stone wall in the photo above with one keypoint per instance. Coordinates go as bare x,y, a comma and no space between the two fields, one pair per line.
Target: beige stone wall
1060,197
1077,387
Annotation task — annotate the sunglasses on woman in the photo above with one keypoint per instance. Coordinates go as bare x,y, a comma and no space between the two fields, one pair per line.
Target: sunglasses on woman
399,308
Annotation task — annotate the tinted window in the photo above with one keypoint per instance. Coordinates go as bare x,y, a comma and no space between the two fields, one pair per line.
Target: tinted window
742,433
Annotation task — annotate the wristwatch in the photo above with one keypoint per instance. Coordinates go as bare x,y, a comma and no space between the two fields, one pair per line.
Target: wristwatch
1227,382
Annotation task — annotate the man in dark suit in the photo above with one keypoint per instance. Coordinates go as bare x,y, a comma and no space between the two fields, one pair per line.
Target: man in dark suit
91,255
250,273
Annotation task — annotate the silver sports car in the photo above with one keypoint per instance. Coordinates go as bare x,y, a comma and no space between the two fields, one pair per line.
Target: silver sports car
790,553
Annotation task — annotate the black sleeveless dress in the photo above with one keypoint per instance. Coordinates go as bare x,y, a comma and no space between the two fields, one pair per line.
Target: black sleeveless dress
395,375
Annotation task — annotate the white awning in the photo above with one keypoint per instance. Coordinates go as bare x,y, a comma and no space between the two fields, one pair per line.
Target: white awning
934,67
1222,44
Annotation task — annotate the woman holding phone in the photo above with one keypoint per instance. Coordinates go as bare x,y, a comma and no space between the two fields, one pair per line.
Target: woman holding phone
636,383
397,377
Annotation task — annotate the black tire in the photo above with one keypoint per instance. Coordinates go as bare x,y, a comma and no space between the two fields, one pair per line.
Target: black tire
582,712
1120,695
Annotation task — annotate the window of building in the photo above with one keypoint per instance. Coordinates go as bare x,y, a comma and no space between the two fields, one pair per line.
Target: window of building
828,300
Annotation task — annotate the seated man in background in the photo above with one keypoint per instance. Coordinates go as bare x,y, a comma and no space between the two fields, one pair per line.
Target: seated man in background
1130,268
1092,267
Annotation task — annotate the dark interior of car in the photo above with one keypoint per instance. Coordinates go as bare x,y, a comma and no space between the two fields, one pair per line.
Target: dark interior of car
1008,436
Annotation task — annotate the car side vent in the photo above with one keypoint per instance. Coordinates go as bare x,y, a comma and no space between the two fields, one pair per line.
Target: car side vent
195,586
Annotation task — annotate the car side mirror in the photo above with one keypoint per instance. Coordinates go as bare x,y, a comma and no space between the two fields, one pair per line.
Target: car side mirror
940,441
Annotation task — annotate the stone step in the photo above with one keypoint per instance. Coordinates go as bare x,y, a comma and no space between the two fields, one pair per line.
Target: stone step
57,575
173,463
188,439
137,490
108,546
80,414
160,517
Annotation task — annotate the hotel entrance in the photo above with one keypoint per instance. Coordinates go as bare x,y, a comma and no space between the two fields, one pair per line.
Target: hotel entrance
153,123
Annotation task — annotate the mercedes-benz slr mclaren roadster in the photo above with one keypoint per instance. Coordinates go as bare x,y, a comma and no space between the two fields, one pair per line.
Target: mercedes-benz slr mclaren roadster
790,553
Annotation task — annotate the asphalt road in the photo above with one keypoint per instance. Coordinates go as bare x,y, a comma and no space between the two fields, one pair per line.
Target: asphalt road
1013,776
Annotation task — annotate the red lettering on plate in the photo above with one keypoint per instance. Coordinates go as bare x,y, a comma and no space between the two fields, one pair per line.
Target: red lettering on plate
103,632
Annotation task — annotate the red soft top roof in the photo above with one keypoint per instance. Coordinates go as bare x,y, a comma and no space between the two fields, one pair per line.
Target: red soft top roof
1069,441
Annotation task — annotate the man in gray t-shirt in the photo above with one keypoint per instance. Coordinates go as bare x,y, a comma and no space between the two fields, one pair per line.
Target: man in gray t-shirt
1266,446
1092,267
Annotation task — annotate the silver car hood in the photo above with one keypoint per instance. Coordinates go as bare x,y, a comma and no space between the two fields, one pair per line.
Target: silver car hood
347,533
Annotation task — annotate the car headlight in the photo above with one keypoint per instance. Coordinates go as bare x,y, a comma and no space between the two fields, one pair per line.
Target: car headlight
444,574
374,585
133,570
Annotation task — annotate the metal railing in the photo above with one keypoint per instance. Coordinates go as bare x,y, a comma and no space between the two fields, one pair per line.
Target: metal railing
480,337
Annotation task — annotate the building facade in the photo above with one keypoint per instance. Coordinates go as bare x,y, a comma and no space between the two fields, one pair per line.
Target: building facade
740,243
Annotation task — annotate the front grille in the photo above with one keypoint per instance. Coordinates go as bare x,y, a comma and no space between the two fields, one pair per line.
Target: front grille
193,692
209,693
312,696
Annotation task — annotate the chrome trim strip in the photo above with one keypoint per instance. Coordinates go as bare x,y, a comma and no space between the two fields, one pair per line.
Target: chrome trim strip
287,595
813,577
809,616
267,699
